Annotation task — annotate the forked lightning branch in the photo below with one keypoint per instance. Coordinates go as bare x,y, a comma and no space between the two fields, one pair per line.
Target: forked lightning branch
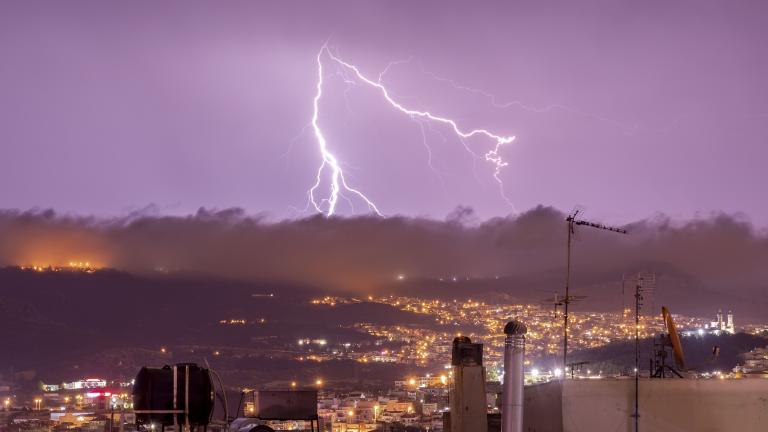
331,184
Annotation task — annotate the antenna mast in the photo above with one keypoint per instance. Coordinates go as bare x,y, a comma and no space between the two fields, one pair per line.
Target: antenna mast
645,284
572,221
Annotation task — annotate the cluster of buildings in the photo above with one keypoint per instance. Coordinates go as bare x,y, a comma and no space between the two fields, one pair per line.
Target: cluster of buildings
427,346
723,326
361,412
72,266
85,404
716,327
418,401
755,361
421,402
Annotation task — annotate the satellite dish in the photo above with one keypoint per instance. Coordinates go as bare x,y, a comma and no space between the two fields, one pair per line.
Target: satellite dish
674,338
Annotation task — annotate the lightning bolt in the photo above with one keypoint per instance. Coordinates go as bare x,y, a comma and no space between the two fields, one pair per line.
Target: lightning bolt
623,127
329,159
338,186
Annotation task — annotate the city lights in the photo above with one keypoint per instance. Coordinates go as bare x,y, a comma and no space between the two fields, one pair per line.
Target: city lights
589,330
313,204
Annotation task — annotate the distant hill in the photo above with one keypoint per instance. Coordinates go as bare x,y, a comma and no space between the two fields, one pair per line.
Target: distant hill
65,325
70,324
682,292
618,357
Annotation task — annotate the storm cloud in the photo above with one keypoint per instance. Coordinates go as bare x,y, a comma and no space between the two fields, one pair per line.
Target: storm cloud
722,252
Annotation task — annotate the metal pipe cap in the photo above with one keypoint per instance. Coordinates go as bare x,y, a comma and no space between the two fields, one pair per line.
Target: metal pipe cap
515,328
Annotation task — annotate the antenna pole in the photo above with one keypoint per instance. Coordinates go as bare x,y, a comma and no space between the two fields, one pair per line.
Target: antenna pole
571,223
623,299
638,299
567,299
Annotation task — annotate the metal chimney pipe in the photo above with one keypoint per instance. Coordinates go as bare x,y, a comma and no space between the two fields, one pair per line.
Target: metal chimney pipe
512,396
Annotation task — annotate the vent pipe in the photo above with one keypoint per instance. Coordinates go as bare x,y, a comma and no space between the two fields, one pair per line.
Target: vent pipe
512,397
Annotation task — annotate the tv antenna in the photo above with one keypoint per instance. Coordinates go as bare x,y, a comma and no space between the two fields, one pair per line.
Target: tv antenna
572,221
646,282
558,300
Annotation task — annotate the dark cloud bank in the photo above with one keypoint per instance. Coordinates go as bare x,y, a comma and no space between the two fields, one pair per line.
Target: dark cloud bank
721,255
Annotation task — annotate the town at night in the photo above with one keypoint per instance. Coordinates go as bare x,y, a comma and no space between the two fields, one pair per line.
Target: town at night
383,216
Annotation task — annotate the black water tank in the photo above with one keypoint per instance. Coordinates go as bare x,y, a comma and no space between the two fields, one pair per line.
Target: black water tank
153,390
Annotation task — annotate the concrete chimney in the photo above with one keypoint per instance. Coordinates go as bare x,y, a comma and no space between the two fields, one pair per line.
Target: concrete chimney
512,396
467,388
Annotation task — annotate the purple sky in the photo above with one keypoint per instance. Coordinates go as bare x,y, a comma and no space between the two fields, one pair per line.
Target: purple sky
661,106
